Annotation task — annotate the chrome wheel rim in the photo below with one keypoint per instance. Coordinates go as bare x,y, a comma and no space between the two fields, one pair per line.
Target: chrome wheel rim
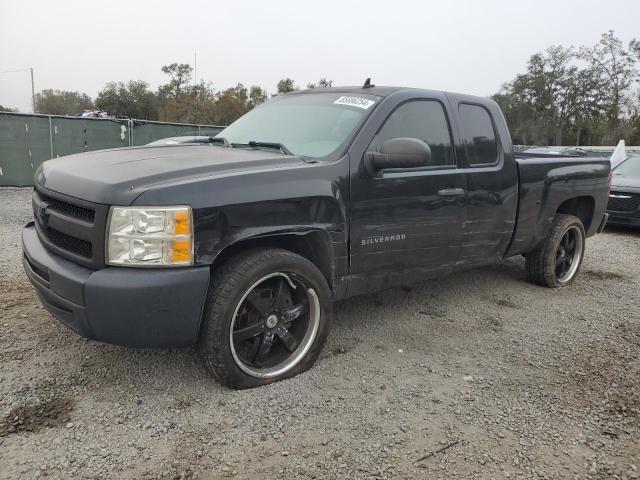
569,254
274,325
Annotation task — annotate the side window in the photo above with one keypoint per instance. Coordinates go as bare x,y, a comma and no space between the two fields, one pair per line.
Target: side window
478,135
422,119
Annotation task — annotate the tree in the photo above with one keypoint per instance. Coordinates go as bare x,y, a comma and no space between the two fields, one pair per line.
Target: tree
531,100
7,109
170,95
61,102
614,66
130,100
256,96
322,83
573,96
197,104
180,74
286,85
231,104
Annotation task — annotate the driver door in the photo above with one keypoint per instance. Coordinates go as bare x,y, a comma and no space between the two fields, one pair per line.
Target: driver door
407,224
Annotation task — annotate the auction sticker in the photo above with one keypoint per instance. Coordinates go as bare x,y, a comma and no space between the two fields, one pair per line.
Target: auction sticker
359,102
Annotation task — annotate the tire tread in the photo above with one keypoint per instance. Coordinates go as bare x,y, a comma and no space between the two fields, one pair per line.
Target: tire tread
226,281
540,263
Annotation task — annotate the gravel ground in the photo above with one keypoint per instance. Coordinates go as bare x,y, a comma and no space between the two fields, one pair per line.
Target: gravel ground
477,375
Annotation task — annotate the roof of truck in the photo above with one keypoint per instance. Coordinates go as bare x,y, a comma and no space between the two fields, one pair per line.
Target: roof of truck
379,91
385,91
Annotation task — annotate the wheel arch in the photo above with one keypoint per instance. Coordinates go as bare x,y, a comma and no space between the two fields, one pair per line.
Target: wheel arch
313,244
581,207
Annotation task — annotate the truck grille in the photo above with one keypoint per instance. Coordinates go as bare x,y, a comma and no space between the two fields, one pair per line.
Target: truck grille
70,227
70,210
69,243
623,202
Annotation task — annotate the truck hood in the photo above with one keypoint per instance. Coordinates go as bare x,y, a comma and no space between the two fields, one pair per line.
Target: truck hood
119,176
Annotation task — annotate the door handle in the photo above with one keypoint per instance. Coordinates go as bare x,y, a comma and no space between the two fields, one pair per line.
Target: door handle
451,192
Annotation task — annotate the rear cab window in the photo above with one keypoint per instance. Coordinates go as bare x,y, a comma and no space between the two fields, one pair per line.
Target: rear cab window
478,135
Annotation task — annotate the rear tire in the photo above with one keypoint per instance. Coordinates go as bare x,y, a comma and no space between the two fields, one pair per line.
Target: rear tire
266,318
556,262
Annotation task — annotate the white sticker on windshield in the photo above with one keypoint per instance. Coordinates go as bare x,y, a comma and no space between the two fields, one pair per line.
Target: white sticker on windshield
359,102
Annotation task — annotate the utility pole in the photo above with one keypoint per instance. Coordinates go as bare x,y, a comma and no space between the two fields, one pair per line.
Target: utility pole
33,91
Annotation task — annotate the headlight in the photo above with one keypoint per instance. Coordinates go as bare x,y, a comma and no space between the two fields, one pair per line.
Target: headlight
150,236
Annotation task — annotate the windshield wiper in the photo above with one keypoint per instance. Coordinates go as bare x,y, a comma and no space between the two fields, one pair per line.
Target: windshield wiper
220,140
276,145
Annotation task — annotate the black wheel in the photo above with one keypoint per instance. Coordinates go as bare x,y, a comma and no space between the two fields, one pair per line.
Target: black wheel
556,262
266,318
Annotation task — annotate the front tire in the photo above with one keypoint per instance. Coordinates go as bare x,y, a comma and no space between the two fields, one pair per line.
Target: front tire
266,318
556,262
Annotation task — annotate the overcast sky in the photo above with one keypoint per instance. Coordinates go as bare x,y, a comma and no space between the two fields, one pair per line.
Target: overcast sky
465,46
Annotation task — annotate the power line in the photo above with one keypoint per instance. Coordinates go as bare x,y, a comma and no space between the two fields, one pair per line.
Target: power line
14,71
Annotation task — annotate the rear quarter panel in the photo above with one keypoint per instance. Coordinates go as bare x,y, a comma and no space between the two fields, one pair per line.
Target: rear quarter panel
545,184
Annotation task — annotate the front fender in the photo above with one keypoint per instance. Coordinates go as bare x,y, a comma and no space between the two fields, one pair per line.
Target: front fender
221,227
238,205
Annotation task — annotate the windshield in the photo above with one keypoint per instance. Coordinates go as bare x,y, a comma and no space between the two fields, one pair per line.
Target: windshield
629,168
310,125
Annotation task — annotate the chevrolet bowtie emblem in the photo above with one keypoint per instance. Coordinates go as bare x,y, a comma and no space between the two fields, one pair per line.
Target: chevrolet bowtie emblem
43,215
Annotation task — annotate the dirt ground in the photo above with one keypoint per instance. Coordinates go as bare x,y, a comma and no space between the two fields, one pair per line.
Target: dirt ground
477,375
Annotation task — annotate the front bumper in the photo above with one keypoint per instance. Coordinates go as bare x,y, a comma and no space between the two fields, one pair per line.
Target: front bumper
631,219
118,305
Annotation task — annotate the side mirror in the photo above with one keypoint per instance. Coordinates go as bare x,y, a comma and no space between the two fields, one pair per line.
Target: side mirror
401,152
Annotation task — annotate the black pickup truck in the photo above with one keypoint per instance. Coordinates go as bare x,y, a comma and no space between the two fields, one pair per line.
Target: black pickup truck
241,244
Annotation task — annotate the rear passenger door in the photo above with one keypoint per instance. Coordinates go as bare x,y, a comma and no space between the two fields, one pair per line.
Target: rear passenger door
406,224
491,177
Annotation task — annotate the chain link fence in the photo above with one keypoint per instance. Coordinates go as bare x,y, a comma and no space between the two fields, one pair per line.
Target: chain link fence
27,140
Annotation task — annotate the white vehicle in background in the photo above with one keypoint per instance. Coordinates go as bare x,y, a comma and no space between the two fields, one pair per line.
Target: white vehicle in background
555,151
181,140
619,155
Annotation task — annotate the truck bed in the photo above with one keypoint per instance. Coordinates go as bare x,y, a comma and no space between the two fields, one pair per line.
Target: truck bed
550,184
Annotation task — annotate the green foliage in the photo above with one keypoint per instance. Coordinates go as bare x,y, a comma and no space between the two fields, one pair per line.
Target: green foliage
257,96
286,85
175,101
60,102
615,68
231,104
130,100
196,105
573,96
322,83
7,109
175,97
181,102
180,75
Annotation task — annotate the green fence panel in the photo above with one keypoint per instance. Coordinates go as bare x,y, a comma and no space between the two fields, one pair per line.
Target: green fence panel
67,135
145,132
28,140
77,135
24,145
101,134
